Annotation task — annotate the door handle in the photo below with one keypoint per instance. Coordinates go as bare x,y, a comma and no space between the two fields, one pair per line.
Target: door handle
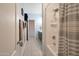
20,43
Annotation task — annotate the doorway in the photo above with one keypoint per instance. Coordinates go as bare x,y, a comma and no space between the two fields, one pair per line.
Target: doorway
34,43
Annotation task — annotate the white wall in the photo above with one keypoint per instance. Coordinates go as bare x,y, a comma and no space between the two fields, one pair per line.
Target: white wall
50,29
19,49
18,16
34,11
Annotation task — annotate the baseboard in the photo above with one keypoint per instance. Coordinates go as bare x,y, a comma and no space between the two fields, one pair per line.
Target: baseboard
14,52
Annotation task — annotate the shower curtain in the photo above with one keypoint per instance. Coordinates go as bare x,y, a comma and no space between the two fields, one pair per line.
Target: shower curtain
69,31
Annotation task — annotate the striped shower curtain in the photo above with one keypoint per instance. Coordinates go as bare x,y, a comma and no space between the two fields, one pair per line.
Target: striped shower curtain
69,31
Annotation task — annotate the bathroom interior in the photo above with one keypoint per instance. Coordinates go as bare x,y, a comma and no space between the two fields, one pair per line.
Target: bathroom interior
39,29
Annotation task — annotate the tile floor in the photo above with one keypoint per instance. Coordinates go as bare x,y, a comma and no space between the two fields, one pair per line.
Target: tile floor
33,48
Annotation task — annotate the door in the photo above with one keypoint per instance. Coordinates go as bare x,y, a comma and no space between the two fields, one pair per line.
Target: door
7,28
32,29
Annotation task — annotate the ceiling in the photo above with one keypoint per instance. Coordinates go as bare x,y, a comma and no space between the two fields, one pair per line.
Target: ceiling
33,8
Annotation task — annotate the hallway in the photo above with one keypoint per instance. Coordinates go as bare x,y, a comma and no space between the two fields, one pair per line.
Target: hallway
56,25
33,48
